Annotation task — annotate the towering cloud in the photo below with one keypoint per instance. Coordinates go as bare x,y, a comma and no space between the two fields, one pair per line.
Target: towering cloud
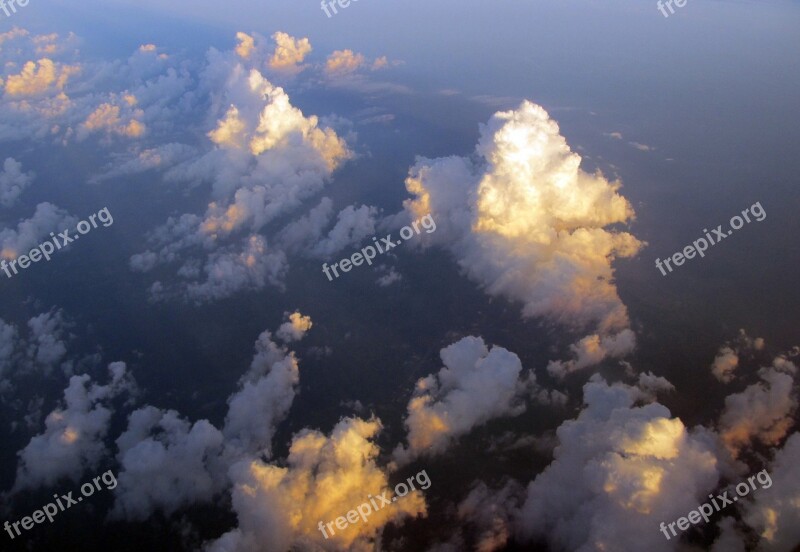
527,223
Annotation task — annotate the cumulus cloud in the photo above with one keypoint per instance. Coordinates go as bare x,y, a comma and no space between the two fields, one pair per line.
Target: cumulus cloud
59,97
41,348
619,470
31,232
279,507
39,77
73,438
107,118
527,223
289,53
725,364
343,62
165,462
161,157
352,226
266,393
295,329
13,181
250,265
269,158
246,45
774,511
592,350
491,514
476,385
764,411
727,360
303,233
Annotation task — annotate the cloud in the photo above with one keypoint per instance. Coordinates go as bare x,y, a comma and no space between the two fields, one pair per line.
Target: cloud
641,147
106,118
389,278
73,438
343,62
289,53
279,507
352,226
527,223
165,462
39,77
619,470
491,514
31,232
592,350
40,349
763,411
295,329
246,45
727,360
249,266
269,158
13,181
774,511
475,386
139,160
266,393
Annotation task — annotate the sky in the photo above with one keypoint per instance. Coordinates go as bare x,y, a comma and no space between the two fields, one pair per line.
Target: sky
421,276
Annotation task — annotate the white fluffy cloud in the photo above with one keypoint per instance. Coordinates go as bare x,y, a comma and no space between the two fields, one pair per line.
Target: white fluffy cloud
73,438
323,478
295,328
475,386
764,411
289,53
344,62
165,463
269,158
13,181
266,393
619,471
527,223
168,462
